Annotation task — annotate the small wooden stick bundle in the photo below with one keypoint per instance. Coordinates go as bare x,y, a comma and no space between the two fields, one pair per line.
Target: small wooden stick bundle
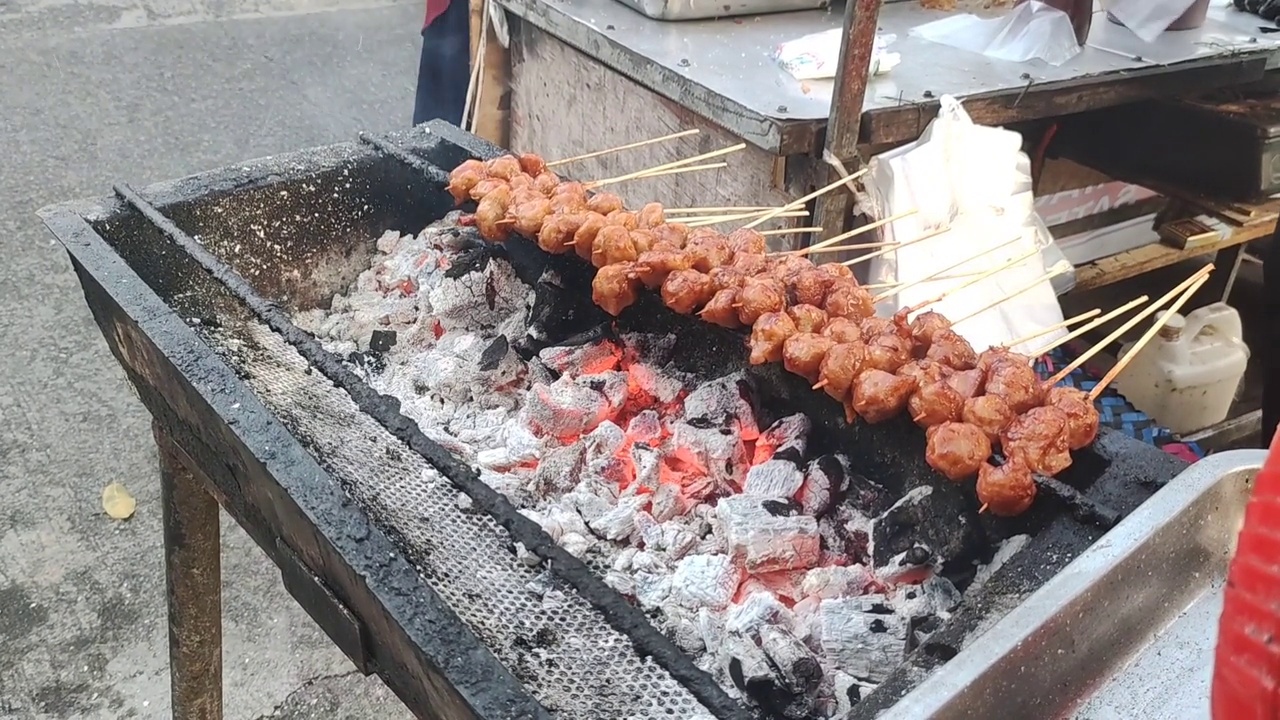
1086,328
628,146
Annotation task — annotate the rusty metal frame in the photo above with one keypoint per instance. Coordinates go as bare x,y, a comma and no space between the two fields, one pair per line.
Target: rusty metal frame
832,210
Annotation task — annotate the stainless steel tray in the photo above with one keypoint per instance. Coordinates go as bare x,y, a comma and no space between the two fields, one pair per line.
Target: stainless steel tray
705,9
1125,631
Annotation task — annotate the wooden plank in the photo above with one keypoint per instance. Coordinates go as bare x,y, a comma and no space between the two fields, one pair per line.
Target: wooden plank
1145,259
548,77
492,119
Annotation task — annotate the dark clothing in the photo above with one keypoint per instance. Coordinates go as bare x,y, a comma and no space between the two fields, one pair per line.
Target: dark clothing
445,66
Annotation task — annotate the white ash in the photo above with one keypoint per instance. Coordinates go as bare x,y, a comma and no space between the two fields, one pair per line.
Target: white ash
716,528
1007,549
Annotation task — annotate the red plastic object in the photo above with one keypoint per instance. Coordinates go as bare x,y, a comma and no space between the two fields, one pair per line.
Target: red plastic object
1246,672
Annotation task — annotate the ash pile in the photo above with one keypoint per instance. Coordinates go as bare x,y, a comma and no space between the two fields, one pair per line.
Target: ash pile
781,570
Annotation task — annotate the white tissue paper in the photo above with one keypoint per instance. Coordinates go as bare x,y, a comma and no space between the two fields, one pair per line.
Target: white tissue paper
817,56
1147,18
975,181
1032,31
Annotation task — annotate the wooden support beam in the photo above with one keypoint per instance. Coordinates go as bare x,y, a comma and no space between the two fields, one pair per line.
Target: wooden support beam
492,114
844,122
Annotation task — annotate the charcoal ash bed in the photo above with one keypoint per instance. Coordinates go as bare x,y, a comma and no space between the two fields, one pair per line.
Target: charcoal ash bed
301,229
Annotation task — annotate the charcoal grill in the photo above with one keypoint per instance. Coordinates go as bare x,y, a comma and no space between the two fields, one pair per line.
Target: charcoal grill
191,282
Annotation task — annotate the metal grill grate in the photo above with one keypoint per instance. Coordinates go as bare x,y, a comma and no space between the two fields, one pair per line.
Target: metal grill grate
573,662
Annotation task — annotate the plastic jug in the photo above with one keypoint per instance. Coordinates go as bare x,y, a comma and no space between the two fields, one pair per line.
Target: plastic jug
1187,376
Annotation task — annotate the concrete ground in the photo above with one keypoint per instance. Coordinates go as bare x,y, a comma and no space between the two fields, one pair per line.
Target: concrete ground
98,91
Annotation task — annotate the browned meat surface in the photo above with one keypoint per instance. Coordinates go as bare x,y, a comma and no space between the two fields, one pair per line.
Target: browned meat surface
546,182
1082,416
613,288
529,215
952,350
557,233
584,239
759,296
988,412
613,245
803,353
504,167
708,252
934,404
654,266
995,355
1039,438
748,241
924,327
836,270
464,178
847,299
624,218
840,367
604,203
531,164
809,287
650,216
490,213
768,336
1017,383
878,395
720,309
924,372
968,383
1007,490
888,352
486,186
842,330
808,319
685,291
726,277
750,264
673,234
957,450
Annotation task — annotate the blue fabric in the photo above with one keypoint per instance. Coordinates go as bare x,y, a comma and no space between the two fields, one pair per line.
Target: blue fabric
445,66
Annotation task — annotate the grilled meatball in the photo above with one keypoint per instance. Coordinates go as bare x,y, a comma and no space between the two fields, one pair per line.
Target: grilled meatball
604,203
988,412
529,216
720,309
808,319
1039,439
924,327
786,266
888,352
614,289
878,395
803,352
685,291
584,238
726,277
1007,490
759,296
934,404
842,330
847,299
486,186
626,219
504,167
650,216
968,383
809,287
952,350
654,266
750,264
836,270
557,233
748,242
840,367
993,356
546,182
673,234
572,189
612,245
490,213
924,372
1082,416
643,240
768,336
532,164
708,252
464,178
957,450
1017,383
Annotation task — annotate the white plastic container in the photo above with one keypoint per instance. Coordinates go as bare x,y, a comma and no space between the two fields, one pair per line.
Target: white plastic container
1187,376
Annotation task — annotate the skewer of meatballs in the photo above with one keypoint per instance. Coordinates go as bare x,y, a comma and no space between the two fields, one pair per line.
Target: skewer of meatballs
813,318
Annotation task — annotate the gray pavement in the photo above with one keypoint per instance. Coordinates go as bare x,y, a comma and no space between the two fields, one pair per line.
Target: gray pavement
98,91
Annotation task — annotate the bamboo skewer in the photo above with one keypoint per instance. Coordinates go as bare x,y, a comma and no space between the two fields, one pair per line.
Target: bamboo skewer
628,146
717,211
1152,308
1024,289
896,246
934,275
1146,338
662,169
1056,326
799,203
852,233
863,246
1086,328
697,220
971,281
656,173
788,231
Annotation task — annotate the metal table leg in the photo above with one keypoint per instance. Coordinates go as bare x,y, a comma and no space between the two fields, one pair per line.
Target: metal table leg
1227,261
193,575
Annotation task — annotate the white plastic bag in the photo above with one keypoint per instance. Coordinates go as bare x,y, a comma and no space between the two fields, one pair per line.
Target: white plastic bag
1031,31
1147,18
975,181
816,56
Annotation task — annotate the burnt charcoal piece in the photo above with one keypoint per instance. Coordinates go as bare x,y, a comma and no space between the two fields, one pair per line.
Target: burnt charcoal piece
916,556
920,629
493,354
380,341
914,521
473,260
865,496
797,665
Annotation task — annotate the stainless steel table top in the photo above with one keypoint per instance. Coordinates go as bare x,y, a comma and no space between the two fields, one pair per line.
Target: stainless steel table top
723,69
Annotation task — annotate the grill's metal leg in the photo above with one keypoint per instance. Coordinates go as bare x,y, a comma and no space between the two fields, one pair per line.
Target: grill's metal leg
193,574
